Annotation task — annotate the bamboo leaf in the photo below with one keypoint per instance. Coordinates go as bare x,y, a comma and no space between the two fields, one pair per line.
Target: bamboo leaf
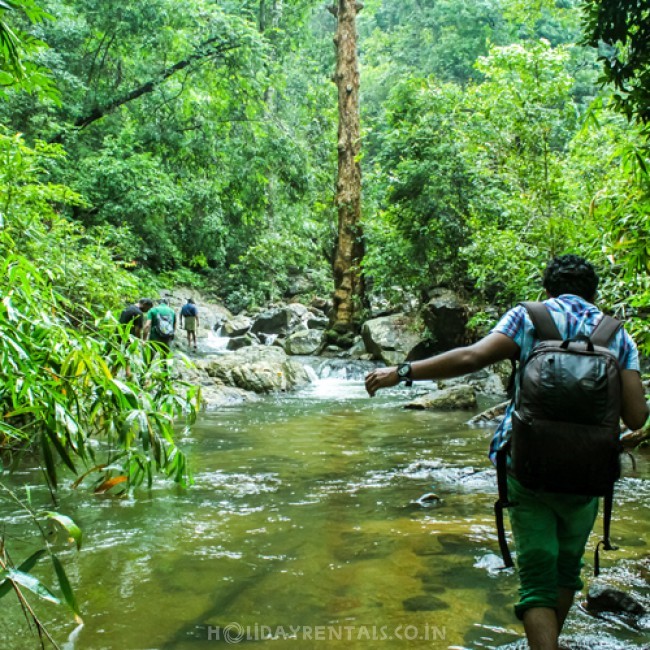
49,461
67,524
29,582
25,567
61,450
66,588
109,483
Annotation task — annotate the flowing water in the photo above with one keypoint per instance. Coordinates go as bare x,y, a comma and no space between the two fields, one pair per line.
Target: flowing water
303,530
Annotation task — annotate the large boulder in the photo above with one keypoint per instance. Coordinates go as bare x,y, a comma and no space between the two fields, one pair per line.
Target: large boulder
445,316
261,369
236,326
279,321
450,399
238,342
304,342
390,338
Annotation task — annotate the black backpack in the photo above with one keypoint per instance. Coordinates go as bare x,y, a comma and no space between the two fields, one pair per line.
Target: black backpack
566,421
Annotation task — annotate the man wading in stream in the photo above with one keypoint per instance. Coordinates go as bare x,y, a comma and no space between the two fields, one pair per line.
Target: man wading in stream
550,529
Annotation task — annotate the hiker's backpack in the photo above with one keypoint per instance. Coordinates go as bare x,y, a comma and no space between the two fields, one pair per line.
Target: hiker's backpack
188,309
566,420
164,326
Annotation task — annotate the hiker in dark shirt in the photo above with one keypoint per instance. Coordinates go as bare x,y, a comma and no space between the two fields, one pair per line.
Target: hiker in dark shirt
550,529
190,321
133,315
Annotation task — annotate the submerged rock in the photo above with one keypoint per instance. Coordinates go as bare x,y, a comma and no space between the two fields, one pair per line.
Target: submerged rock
424,603
450,399
491,416
429,500
602,598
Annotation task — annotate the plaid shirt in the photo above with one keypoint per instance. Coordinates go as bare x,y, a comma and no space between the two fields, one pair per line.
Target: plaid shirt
572,315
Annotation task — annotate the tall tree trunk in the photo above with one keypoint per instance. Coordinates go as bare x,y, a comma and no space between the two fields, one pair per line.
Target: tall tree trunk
348,281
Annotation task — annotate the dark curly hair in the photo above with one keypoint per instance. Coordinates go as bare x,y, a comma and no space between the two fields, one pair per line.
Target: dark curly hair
571,274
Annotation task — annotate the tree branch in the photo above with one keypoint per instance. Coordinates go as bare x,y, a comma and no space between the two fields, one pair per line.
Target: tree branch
212,47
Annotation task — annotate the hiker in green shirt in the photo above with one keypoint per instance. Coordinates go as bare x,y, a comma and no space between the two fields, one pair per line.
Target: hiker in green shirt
161,326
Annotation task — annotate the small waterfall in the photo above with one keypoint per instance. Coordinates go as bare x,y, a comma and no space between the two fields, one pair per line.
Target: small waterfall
214,343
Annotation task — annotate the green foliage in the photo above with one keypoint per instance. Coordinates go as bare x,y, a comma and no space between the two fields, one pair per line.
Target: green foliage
620,31
78,395
19,51
423,188
521,123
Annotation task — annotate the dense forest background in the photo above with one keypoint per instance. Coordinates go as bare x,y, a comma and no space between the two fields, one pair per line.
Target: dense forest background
197,143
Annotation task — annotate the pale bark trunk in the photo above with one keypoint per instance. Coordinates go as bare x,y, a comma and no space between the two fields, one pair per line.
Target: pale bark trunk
348,284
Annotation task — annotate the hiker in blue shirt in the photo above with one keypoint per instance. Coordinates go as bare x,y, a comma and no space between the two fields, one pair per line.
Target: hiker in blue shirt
190,321
550,529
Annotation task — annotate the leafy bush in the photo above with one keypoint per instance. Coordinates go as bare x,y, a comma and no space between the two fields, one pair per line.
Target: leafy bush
77,394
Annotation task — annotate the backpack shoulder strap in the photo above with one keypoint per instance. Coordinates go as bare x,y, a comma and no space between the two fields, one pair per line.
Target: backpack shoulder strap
605,330
545,326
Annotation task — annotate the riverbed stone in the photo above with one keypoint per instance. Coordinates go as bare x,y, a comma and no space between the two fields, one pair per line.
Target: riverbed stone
238,342
236,326
315,322
424,603
304,342
490,416
455,398
391,338
279,321
261,369
603,598
446,316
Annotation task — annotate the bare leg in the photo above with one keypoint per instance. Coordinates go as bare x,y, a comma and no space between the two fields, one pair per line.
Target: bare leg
542,629
564,602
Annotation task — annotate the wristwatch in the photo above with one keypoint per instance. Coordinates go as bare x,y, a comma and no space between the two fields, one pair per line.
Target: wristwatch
404,373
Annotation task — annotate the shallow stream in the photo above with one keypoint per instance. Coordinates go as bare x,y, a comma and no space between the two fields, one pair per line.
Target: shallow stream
302,530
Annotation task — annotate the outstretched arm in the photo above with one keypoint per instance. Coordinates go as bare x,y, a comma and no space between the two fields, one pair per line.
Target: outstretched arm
460,361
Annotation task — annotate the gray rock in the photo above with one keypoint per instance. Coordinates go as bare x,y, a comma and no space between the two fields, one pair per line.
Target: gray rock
390,338
490,416
238,342
450,399
278,321
304,342
237,326
318,323
445,316
358,349
261,369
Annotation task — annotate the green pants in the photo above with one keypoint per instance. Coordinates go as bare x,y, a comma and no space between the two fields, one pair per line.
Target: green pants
551,532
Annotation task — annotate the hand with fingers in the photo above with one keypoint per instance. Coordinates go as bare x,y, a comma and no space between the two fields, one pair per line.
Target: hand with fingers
381,378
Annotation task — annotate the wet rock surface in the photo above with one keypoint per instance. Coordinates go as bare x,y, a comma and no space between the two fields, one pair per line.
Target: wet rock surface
450,399
603,598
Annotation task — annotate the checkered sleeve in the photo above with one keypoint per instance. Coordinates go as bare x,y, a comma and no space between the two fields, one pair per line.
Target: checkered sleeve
628,352
511,324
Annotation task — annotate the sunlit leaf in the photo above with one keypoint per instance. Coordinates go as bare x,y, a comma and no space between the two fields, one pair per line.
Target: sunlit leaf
67,524
29,582
110,483
25,567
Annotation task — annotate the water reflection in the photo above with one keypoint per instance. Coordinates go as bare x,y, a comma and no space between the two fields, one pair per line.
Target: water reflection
304,518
